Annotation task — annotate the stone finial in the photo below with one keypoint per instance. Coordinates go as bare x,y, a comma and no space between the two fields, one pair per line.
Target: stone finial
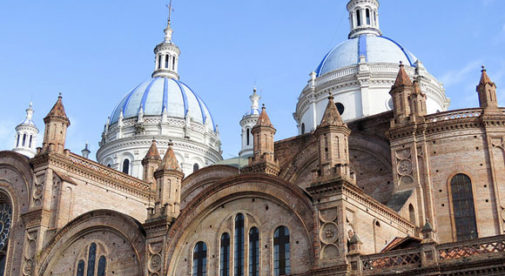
487,93
169,160
85,152
484,78
331,116
402,79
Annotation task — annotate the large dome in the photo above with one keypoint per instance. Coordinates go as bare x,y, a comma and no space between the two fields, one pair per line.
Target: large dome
375,49
159,93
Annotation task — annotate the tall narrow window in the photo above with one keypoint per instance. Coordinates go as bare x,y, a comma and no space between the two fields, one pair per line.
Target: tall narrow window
126,166
80,268
166,61
200,259
30,141
254,252
159,61
239,245
303,128
248,135
368,17
91,260
282,265
462,204
102,264
358,18
17,143
173,63
196,167
24,139
225,255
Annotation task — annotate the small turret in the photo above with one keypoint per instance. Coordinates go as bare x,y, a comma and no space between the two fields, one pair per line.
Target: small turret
151,163
417,102
263,159
400,93
168,180
487,93
333,136
26,135
56,124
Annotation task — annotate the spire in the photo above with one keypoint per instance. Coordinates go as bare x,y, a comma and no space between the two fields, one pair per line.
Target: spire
402,78
29,113
153,153
263,119
167,53
363,17
169,160
57,111
487,93
331,115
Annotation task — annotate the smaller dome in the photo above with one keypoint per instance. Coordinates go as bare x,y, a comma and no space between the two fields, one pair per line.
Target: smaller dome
159,93
375,49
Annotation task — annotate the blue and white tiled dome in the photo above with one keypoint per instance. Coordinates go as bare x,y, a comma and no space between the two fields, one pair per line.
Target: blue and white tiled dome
375,49
158,93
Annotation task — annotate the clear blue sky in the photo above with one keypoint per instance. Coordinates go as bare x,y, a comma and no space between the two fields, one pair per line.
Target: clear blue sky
95,51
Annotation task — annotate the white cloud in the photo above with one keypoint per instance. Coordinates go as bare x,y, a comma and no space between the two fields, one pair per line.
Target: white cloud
455,77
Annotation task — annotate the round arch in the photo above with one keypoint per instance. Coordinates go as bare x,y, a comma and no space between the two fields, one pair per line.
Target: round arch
107,224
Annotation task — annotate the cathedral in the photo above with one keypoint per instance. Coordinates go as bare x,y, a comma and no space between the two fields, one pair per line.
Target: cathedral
382,179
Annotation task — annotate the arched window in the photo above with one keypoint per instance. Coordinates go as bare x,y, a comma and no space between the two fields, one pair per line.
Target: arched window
303,128
80,268
102,263
239,245
30,142
254,252
166,61
126,166
282,265
24,139
91,260
225,255
412,214
358,18
5,222
173,63
248,134
196,167
159,61
17,142
463,208
368,17
200,259
340,108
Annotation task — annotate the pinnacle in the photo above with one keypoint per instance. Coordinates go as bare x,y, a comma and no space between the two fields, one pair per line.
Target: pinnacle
58,110
331,115
402,78
484,78
153,153
263,119
169,160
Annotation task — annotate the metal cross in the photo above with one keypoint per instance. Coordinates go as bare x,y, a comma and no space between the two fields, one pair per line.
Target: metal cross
169,6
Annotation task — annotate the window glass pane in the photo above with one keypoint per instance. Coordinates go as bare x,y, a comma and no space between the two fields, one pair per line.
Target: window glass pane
282,265
80,268
102,263
126,166
225,255
200,259
239,245
91,260
464,211
254,252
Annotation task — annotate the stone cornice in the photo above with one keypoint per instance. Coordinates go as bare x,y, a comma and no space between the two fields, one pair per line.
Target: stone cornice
74,164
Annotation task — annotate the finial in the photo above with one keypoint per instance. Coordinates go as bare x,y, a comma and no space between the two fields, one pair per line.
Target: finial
170,143
169,6
154,140
263,106
59,95
254,89
401,63
483,68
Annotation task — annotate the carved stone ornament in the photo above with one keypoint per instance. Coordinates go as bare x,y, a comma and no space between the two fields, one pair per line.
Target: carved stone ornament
404,167
328,215
329,233
403,154
155,262
406,180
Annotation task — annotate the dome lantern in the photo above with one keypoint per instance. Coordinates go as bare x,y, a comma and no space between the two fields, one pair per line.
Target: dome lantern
167,55
363,17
